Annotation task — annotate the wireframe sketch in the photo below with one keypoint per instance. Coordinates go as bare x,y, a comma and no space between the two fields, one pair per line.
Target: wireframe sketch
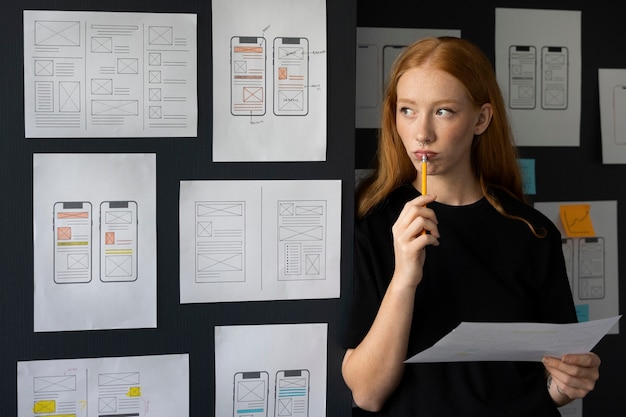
248,75
619,114
291,76
367,76
250,394
89,72
220,241
522,76
118,241
292,393
72,223
554,77
56,395
301,239
119,394
567,245
591,268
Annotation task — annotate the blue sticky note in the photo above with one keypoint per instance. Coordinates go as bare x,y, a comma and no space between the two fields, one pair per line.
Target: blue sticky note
582,312
528,175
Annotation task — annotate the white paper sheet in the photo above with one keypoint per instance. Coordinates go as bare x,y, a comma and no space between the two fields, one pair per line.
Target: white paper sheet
94,232
109,74
259,240
539,71
271,370
515,341
269,80
157,386
612,83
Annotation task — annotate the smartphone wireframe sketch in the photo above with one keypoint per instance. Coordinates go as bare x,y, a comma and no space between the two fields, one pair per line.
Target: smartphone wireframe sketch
591,268
619,110
390,53
291,76
250,392
292,393
554,77
367,73
72,224
567,245
118,241
248,75
522,77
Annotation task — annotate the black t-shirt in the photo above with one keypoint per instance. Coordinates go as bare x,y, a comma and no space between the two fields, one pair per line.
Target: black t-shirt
487,268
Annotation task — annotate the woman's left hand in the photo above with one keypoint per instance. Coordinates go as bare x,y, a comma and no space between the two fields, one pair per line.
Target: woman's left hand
571,376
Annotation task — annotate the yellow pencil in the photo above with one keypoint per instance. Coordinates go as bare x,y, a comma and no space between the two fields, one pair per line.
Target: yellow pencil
424,158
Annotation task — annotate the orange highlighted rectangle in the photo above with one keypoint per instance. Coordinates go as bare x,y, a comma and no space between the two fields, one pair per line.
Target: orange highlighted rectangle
73,215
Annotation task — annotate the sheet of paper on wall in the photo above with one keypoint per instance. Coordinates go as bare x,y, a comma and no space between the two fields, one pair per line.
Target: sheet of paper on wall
109,74
156,385
269,80
259,240
591,259
376,50
539,71
515,341
612,91
94,241
275,370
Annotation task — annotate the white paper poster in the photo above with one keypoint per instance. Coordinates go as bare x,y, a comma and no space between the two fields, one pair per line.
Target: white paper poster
107,74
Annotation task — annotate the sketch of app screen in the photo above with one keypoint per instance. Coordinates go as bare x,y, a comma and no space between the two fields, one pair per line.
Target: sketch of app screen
568,253
247,66
554,77
292,393
250,394
619,114
118,241
591,268
390,53
367,73
72,242
291,76
522,76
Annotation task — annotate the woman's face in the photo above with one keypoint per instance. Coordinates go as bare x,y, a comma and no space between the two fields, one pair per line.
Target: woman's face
436,118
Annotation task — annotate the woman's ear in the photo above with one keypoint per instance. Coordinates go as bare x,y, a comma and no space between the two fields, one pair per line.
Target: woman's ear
484,118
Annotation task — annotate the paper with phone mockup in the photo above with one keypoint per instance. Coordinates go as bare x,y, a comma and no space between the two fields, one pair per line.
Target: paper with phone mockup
470,342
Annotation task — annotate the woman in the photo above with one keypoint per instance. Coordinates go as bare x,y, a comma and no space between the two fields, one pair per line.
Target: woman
470,249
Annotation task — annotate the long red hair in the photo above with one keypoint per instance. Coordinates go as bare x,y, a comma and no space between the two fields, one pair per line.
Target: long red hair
494,154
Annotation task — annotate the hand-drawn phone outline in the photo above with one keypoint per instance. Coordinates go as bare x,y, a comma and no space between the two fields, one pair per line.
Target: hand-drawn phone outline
291,393
591,277
554,77
291,76
367,72
390,54
567,245
118,241
72,226
248,76
522,77
250,394
619,109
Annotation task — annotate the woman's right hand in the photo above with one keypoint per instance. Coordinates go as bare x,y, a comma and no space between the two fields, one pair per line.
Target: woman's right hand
415,228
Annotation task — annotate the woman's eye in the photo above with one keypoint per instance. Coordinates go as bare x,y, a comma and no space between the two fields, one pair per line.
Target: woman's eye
406,111
443,112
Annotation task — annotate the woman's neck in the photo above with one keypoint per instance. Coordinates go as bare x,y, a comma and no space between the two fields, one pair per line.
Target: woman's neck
453,192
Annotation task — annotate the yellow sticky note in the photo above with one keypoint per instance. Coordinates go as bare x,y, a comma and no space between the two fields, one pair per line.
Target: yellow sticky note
576,219
134,392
